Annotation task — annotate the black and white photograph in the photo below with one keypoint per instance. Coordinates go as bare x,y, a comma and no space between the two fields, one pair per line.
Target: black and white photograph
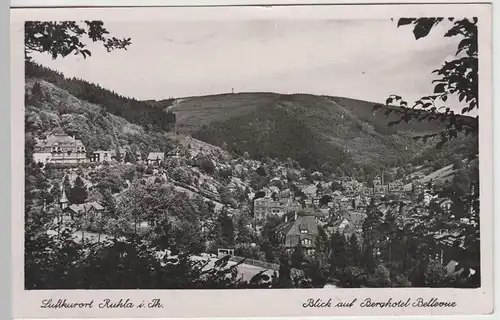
277,153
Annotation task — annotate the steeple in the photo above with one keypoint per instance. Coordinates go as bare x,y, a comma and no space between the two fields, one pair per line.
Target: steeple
63,202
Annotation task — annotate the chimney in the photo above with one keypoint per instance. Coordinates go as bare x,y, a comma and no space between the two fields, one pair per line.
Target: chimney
296,215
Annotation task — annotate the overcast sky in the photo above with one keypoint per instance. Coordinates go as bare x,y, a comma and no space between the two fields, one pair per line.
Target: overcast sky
364,59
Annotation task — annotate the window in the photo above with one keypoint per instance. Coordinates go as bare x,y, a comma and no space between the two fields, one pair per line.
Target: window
306,241
303,231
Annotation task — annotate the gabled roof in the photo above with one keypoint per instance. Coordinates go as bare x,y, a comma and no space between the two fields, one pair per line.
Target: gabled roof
85,207
156,155
304,222
60,140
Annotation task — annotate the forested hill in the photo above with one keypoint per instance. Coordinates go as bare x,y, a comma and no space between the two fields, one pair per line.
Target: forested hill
321,132
132,110
51,110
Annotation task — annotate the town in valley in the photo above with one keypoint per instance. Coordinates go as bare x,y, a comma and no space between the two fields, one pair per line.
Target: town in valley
240,190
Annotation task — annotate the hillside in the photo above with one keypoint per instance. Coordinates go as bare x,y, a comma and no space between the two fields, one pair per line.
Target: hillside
51,110
320,132
132,110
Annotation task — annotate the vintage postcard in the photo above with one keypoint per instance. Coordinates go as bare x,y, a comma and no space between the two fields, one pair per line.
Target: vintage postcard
252,161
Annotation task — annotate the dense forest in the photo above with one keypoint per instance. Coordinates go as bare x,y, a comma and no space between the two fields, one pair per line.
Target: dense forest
132,110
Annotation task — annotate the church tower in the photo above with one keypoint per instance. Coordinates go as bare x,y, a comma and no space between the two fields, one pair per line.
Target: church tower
63,202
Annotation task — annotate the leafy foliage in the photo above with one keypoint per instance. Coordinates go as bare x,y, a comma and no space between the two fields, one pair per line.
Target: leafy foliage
63,38
458,77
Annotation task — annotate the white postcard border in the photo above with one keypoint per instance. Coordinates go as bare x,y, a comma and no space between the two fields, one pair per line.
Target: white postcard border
253,303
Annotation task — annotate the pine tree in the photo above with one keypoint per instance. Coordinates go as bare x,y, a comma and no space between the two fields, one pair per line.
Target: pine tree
355,250
79,192
130,157
226,230
298,256
338,246
55,193
109,203
284,273
118,155
243,234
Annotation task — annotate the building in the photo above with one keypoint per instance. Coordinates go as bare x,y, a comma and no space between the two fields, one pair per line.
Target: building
316,200
302,230
345,204
63,202
108,155
59,148
101,156
418,188
88,209
381,189
396,187
378,180
368,192
155,158
266,206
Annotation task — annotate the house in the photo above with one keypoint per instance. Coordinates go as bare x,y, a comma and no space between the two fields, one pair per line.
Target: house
340,225
448,245
87,209
155,157
345,203
368,192
59,148
322,214
381,189
316,200
101,156
396,187
349,223
417,188
266,206
378,181
302,230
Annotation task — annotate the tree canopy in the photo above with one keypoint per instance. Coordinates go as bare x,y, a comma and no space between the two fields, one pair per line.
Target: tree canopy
457,77
65,37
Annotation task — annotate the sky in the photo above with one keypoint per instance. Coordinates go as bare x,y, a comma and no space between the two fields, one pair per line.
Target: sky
362,59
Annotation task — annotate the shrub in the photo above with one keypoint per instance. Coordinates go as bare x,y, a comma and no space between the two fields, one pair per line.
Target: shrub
207,166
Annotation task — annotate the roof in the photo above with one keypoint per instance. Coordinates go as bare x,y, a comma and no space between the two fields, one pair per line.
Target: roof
63,199
156,155
58,140
84,207
292,230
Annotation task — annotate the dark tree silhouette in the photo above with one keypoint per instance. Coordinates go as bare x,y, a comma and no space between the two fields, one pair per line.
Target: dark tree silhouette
458,77
78,192
65,37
